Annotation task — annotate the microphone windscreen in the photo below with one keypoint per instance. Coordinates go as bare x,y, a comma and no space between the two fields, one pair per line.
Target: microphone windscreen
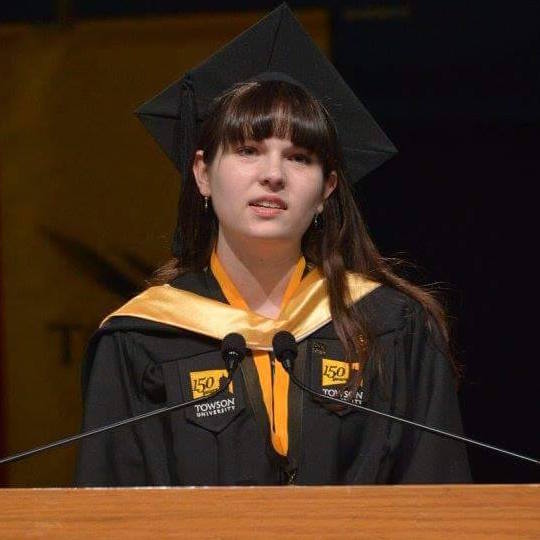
233,343
284,345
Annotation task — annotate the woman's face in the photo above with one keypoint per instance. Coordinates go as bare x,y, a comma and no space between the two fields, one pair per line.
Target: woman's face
269,189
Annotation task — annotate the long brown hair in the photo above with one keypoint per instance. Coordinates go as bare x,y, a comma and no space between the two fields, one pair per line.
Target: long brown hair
259,110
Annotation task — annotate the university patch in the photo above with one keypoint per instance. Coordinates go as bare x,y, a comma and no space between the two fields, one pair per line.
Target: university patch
216,412
334,375
204,383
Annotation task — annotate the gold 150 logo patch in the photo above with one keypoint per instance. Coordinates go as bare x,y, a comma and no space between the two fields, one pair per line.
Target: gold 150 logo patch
336,372
206,382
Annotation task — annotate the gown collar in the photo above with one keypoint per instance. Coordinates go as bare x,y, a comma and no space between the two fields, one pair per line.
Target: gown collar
306,311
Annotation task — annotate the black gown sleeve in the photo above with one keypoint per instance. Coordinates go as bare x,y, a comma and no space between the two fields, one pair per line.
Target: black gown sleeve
113,458
423,457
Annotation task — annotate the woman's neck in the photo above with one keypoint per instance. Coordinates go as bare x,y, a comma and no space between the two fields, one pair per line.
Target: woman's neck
260,270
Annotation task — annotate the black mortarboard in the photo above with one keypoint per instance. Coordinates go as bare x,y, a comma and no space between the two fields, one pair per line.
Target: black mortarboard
277,45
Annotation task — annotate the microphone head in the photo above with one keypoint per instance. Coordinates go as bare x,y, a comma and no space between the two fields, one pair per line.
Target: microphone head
285,348
233,350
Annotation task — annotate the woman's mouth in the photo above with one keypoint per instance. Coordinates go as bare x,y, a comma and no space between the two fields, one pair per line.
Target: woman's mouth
268,206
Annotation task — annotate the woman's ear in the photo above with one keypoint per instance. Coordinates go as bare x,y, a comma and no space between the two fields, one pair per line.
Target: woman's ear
200,172
329,185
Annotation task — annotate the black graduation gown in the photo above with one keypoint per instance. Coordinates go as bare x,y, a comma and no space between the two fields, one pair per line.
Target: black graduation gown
134,365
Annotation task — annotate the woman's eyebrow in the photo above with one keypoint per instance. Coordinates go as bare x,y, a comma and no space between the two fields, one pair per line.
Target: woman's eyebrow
302,149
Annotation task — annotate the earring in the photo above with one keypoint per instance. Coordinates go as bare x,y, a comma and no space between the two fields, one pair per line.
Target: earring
206,204
316,222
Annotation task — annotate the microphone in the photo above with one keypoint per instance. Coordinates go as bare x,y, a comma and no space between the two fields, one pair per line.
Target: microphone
286,351
233,351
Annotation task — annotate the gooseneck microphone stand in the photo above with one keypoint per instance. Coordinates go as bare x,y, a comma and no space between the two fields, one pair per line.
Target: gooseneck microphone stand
233,351
286,351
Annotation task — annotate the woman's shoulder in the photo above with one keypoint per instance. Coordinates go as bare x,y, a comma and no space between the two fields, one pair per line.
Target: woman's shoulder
388,309
138,344
123,335
150,310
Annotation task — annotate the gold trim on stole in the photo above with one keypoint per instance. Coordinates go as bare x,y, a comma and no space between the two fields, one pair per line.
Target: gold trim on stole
307,311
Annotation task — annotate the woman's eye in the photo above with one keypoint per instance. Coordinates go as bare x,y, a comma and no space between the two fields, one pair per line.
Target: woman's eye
247,151
302,158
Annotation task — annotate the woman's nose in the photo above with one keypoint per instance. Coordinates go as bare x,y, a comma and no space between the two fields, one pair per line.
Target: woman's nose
273,173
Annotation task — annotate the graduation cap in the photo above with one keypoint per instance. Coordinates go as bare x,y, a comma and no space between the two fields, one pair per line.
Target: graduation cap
277,47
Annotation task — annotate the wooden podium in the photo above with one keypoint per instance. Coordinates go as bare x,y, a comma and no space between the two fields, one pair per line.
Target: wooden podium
436,511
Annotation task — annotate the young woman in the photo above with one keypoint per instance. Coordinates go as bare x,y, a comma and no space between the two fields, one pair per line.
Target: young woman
269,238
265,217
